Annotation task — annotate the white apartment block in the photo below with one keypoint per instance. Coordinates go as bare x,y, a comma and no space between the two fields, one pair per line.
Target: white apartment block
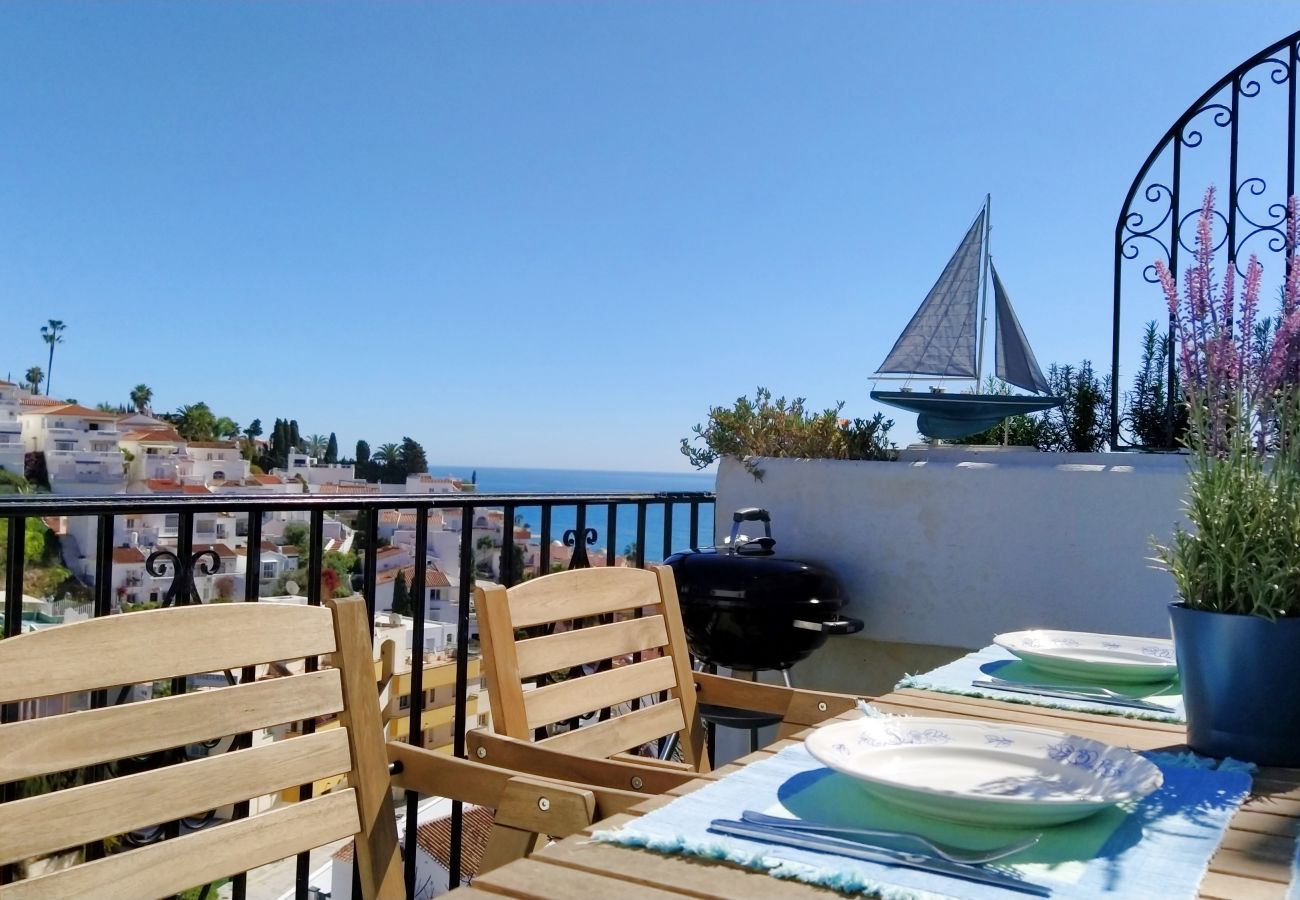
80,446
215,462
11,428
157,454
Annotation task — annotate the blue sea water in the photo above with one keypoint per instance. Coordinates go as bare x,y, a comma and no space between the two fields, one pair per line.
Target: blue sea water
492,480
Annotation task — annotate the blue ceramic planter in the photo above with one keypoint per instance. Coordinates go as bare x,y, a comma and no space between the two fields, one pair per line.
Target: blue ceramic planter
1239,675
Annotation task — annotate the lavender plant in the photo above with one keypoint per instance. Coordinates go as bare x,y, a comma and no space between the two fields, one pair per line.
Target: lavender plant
1240,377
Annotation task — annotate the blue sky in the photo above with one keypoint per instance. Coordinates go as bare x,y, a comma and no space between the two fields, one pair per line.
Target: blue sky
553,234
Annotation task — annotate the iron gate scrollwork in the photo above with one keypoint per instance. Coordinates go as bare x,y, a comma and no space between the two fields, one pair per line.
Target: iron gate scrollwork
1231,137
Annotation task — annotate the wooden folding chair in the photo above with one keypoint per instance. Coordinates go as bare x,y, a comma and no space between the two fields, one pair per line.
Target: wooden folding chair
145,647
597,613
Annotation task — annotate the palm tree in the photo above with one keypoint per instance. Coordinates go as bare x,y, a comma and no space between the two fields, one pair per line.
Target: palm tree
141,397
34,378
316,444
52,334
387,454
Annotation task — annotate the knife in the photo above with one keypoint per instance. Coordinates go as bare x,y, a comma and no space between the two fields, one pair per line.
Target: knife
1067,694
855,850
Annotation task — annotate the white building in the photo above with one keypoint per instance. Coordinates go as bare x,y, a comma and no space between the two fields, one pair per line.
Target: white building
314,472
215,462
157,453
80,447
11,428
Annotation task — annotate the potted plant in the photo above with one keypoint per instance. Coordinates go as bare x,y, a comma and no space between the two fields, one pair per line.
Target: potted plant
1236,622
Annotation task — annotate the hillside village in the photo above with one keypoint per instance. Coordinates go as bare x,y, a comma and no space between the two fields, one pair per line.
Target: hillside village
71,449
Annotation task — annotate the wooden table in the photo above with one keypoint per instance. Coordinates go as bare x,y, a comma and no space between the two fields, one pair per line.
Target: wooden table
1253,862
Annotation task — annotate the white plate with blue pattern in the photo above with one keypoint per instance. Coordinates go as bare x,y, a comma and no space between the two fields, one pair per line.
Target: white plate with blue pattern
1109,658
983,773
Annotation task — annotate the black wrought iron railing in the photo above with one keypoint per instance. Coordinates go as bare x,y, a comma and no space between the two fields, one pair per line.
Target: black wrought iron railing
637,528
1241,137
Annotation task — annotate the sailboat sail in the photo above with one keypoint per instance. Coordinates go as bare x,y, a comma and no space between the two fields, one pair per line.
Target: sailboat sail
1015,360
940,339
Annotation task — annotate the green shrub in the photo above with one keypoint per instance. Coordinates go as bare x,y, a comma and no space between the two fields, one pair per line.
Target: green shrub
781,429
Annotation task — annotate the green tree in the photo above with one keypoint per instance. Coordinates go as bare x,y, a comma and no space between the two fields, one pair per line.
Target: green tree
401,595
389,459
413,458
365,469
314,445
332,450
298,534
226,428
295,439
254,430
195,422
141,397
34,378
52,334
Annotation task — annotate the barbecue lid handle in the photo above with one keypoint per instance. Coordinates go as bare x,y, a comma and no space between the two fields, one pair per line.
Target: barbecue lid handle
751,514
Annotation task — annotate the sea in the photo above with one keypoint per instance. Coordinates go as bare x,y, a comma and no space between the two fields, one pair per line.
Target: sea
490,480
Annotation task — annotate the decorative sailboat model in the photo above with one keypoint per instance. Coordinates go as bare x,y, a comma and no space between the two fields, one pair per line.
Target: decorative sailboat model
945,339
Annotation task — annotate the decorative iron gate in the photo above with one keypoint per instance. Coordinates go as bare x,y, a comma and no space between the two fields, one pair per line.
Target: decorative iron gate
1240,136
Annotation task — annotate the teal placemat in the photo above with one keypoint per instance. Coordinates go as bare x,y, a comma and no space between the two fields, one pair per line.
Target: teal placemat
956,678
1159,847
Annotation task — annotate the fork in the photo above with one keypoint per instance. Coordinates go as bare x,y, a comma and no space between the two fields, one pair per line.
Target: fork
1094,694
947,851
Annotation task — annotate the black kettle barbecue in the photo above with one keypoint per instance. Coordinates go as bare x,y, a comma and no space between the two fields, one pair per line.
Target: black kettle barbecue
745,608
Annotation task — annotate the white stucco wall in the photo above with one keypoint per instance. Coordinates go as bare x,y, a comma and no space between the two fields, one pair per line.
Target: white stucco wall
950,547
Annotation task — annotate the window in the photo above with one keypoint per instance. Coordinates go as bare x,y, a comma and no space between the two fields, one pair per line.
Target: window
241,528
204,526
65,446
404,701
268,570
92,426
153,596
218,475
171,521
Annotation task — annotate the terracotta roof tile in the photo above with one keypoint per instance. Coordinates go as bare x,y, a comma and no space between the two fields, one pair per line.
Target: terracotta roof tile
155,436
215,445
126,555
221,549
72,409
434,838
268,479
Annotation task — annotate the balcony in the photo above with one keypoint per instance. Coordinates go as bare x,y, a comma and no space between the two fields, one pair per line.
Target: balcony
656,523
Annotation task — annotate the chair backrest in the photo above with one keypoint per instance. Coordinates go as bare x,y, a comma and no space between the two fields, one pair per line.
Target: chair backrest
146,647
569,619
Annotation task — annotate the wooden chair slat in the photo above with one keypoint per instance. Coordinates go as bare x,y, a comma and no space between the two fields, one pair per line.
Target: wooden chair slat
58,743
580,593
378,857
556,652
621,733
171,866
182,641
102,809
559,702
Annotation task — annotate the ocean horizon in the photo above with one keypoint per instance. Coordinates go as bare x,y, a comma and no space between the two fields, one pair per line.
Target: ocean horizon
506,480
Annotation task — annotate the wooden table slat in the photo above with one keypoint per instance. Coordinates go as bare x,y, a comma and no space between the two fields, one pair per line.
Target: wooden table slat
532,878
1253,862
1217,886
684,876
